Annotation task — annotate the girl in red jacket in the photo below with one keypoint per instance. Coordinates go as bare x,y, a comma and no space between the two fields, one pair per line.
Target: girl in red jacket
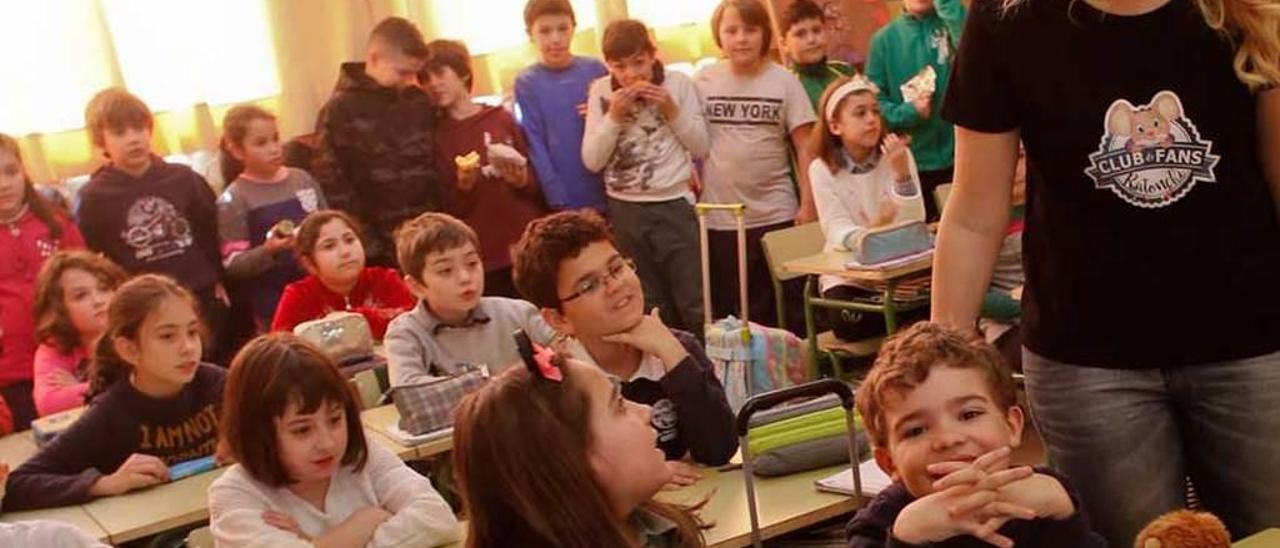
35,230
330,249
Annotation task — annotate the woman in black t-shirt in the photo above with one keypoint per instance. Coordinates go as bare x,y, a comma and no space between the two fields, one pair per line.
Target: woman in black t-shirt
1152,246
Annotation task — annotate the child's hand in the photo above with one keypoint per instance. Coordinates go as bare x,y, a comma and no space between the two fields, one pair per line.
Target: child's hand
468,177
621,102
138,471
683,474
516,175
651,336
966,503
658,95
807,213
923,106
894,150
276,244
60,378
886,211
582,110
1042,494
284,522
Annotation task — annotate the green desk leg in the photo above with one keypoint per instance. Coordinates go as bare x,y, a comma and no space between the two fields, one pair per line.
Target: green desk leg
810,328
890,309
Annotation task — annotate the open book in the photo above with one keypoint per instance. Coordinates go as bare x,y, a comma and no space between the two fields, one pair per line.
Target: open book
873,478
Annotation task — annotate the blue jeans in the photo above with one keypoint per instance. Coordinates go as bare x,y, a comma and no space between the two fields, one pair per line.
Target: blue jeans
1129,438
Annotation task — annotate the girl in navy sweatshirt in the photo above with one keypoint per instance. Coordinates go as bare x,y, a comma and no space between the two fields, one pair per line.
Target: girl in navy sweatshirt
153,404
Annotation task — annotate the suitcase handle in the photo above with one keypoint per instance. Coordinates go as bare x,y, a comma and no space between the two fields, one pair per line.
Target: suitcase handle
767,400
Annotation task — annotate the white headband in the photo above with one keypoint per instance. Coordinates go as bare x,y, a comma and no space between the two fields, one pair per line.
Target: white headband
855,84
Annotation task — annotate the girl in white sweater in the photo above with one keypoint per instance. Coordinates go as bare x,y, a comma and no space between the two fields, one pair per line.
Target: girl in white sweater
862,178
305,476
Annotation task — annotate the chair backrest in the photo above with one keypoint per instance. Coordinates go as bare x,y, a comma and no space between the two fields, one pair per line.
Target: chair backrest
940,195
787,244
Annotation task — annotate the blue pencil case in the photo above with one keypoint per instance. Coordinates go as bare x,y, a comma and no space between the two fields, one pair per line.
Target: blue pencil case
885,244
186,469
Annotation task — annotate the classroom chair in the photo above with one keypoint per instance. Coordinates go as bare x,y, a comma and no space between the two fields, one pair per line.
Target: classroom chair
783,245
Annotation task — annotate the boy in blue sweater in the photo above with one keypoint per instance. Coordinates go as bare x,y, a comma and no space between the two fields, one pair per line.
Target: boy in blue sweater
552,100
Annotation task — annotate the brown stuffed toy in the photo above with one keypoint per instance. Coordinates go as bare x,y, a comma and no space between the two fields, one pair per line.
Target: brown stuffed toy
1184,529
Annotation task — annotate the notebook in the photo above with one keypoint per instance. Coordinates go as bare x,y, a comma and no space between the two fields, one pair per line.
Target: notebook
874,480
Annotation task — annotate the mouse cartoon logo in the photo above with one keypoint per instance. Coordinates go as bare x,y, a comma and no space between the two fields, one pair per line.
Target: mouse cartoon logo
1151,155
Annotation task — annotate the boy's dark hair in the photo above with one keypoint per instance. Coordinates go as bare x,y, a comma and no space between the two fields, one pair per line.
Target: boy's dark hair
800,10
907,358
753,13
624,38
267,375
451,54
430,233
546,243
115,109
401,34
538,8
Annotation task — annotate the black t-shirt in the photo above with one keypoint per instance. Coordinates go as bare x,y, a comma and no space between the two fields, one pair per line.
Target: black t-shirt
1151,236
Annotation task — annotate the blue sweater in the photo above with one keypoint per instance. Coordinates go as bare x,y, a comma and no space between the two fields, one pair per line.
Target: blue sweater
548,101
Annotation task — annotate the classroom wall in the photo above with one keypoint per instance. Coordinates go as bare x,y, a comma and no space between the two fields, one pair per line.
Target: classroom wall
312,38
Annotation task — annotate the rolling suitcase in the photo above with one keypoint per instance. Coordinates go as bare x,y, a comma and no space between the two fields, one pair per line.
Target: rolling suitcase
769,400
749,358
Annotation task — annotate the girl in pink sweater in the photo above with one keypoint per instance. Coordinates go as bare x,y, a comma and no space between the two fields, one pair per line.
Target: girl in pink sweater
72,293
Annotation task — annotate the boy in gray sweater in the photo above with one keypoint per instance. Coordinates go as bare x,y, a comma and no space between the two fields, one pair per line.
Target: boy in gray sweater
454,325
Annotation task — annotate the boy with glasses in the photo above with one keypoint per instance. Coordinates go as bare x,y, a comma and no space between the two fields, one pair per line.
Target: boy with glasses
568,265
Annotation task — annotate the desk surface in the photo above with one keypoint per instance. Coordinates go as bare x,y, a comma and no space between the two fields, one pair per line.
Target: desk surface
74,515
15,449
1269,538
156,510
786,504
379,418
833,263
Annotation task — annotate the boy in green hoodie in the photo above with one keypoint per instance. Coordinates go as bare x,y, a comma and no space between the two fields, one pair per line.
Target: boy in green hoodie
804,42
927,33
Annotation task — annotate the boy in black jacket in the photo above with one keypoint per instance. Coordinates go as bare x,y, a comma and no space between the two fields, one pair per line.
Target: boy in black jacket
943,418
568,265
374,159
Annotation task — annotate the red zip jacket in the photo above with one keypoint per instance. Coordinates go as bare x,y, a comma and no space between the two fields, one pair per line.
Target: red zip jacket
24,246
380,295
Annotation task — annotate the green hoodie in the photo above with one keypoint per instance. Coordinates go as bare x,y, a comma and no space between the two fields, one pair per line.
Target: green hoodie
901,50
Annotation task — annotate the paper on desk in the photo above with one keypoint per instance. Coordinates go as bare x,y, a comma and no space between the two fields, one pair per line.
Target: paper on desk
874,480
408,440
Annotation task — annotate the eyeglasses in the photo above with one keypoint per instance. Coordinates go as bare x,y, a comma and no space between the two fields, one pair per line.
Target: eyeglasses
616,269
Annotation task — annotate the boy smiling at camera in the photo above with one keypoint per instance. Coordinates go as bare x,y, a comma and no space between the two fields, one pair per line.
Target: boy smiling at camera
942,415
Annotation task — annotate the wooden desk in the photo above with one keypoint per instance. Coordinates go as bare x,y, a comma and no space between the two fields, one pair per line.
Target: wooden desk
379,418
786,504
15,449
155,510
833,263
1269,538
74,515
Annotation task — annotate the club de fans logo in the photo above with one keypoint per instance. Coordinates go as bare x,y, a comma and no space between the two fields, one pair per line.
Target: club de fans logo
1151,155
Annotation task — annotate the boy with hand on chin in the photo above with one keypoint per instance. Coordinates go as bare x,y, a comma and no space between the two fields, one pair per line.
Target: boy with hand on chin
567,265
942,416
